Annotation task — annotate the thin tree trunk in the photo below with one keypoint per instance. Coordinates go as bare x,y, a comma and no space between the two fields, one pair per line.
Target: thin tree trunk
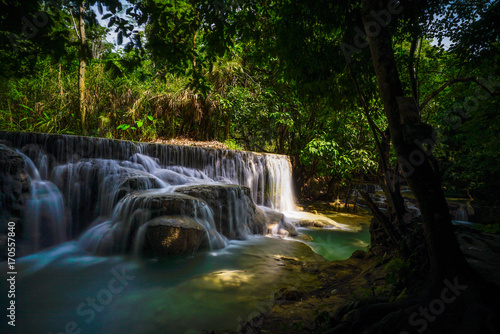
347,197
355,208
61,91
392,233
446,258
394,197
82,66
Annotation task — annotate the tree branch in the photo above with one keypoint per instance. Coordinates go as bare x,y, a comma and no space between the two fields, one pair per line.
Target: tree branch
411,69
74,24
390,230
452,82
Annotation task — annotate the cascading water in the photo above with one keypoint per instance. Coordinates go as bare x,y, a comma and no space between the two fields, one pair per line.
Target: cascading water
122,197
44,210
279,184
87,183
237,167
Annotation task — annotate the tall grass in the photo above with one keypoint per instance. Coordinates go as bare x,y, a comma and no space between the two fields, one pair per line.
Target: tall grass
137,106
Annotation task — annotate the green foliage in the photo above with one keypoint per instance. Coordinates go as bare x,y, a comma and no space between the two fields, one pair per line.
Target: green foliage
146,127
257,75
233,145
490,228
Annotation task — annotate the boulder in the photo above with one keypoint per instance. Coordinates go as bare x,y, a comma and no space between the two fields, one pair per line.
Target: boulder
14,186
277,224
14,193
235,213
288,294
283,229
173,235
260,219
273,217
156,202
126,181
145,217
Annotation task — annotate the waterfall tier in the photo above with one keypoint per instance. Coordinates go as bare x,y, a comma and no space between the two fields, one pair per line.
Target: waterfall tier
267,175
123,197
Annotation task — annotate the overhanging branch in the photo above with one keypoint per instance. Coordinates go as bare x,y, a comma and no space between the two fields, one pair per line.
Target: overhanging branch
452,82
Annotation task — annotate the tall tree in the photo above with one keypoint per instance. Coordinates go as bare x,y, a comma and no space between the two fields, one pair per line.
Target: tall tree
404,122
82,63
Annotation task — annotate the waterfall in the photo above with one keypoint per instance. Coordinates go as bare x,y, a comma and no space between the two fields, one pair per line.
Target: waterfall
267,175
460,213
108,193
44,210
280,184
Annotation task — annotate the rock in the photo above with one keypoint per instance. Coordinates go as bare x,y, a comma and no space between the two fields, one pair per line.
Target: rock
138,208
290,228
14,186
358,254
283,229
288,294
173,235
260,219
481,250
127,181
277,225
155,222
273,217
158,203
235,213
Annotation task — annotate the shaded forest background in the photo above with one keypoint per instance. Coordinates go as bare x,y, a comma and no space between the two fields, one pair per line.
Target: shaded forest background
271,76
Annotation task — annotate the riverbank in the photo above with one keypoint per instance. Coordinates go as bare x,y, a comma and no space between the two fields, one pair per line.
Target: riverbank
355,292
343,284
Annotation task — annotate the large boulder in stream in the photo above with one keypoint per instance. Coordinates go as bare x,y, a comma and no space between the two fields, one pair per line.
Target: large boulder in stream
124,182
14,185
151,218
173,235
14,192
235,213
277,224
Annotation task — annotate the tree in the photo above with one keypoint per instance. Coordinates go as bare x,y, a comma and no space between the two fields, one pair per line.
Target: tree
82,63
29,30
87,16
446,257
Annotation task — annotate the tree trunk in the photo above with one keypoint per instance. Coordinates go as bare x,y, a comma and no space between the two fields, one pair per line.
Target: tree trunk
82,66
394,236
447,260
61,91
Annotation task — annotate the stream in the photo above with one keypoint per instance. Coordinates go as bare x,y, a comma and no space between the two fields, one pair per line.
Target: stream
64,287
83,268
